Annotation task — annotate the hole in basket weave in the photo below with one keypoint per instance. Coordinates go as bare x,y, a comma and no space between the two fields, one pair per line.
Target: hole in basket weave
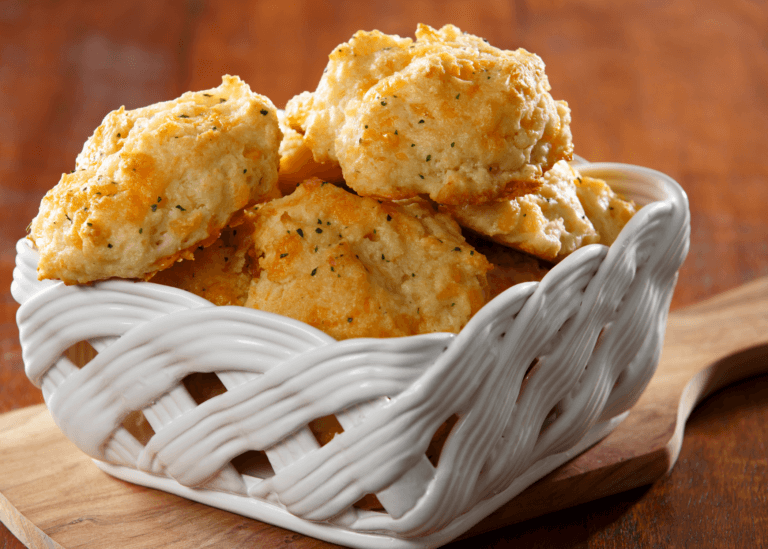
139,427
81,353
253,463
203,386
556,411
602,335
435,447
325,428
528,374
369,502
620,379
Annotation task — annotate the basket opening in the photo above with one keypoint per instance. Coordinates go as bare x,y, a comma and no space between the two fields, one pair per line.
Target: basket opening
136,424
203,386
435,447
81,353
553,414
528,374
325,428
369,502
620,380
253,463
602,335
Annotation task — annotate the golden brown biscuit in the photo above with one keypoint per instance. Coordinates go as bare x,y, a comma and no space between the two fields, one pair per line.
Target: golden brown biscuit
607,211
153,183
549,223
510,266
447,115
298,164
357,267
221,272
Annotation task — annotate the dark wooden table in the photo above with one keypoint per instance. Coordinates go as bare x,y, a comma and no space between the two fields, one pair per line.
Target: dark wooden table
681,87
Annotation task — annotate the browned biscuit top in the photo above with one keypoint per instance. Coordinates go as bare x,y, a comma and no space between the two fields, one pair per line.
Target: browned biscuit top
447,115
357,267
154,182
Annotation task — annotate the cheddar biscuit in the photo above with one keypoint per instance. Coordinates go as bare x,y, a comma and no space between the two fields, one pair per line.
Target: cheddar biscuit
221,272
447,115
154,183
552,222
297,162
510,266
357,267
607,211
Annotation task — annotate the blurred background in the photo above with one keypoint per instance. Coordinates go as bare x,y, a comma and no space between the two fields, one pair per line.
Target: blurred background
678,86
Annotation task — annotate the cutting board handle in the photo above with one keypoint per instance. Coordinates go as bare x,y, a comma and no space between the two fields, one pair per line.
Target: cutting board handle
715,343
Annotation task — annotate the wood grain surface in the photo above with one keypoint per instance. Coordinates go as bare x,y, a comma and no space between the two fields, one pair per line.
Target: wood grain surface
681,87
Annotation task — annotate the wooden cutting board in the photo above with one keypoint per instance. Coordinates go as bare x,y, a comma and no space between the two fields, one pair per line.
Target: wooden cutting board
52,495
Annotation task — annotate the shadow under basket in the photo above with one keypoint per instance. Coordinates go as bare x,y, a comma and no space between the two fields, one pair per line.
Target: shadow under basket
402,442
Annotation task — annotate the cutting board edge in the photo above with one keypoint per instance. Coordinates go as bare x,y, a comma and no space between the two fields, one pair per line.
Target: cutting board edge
24,529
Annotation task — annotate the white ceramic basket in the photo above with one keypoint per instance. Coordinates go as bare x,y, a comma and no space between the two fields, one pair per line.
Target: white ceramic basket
593,328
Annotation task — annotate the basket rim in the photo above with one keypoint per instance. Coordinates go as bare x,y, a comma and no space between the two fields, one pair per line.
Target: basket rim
666,190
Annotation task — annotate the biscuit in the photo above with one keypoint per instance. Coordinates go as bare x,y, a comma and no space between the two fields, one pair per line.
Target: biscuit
447,115
357,267
510,266
221,272
607,211
154,183
298,164
552,222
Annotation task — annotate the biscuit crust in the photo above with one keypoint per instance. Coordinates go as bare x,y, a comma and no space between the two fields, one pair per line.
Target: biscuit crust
568,211
221,272
447,115
549,224
356,267
607,211
297,162
151,184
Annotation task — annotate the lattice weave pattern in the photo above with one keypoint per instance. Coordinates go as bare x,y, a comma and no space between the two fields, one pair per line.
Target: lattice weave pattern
593,329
